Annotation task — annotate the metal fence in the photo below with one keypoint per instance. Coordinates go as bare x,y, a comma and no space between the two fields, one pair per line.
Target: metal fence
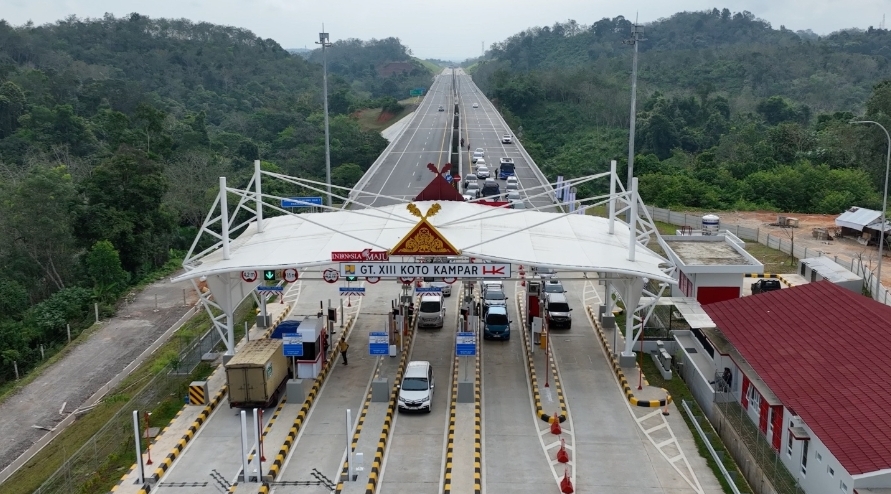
784,244
758,461
116,437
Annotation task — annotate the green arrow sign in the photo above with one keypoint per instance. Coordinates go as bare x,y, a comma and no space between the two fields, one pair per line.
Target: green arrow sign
269,275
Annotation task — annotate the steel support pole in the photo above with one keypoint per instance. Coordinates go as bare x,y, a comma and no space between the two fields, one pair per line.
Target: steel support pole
141,468
244,447
224,217
884,204
259,192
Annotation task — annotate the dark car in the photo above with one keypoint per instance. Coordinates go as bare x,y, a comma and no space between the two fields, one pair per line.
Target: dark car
766,285
441,108
493,297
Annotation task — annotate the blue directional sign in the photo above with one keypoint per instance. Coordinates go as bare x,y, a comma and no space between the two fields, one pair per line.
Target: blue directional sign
301,202
270,288
465,344
352,289
378,343
293,344
428,289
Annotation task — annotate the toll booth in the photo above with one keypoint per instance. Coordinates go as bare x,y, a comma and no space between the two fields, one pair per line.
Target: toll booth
310,364
533,300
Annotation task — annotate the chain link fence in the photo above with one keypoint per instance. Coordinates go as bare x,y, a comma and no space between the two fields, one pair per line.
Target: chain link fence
758,461
786,244
115,440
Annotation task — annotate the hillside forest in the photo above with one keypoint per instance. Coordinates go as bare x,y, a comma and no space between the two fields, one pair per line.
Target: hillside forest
732,113
114,131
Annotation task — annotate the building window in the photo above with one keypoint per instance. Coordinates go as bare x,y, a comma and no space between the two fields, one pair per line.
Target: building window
818,456
804,457
754,399
844,487
831,471
789,442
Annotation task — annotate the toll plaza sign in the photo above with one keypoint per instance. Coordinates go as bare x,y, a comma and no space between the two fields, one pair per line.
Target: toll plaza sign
416,269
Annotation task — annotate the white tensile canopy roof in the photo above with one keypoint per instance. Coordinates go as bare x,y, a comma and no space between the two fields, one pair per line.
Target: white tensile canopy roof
567,242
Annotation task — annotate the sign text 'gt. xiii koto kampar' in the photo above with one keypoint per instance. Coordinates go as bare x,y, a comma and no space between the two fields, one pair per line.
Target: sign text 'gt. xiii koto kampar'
407,269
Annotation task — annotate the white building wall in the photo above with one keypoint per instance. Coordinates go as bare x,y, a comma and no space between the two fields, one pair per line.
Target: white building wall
717,279
823,473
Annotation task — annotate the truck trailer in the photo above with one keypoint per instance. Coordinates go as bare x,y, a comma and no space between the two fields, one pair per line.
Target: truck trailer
256,375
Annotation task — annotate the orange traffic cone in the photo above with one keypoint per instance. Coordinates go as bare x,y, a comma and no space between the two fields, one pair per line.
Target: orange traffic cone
562,455
566,483
555,425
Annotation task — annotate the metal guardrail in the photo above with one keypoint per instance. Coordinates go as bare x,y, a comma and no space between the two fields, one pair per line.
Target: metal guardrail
711,450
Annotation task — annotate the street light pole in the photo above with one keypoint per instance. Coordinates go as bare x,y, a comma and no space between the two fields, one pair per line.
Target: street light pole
884,199
323,40
636,33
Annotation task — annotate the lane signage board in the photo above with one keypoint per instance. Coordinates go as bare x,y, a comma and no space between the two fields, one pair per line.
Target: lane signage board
465,344
301,202
262,289
428,289
293,344
378,343
352,289
415,269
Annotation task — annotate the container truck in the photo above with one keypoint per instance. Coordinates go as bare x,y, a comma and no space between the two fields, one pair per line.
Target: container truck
256,375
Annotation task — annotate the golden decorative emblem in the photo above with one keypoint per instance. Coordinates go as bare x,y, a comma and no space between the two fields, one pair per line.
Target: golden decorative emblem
424,238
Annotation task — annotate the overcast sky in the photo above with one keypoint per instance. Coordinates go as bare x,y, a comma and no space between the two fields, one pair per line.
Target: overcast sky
451,30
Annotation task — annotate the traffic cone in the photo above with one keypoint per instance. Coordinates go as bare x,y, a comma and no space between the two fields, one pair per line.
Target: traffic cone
566,483
523,282
562,455
555,425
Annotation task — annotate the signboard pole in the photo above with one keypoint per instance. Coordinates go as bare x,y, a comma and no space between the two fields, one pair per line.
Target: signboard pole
349,447
293,368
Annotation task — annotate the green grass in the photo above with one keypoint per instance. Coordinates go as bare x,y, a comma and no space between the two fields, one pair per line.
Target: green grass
107,473
432,67
679,391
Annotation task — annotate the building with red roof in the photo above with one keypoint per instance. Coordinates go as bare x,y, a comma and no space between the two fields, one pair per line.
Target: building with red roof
810,365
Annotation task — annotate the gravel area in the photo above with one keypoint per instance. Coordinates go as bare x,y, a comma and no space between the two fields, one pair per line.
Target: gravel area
92,364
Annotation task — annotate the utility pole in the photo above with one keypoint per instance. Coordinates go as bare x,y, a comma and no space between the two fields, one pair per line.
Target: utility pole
636,33
323,40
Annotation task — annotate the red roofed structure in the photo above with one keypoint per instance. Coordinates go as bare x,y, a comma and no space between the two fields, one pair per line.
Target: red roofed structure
439,189
822,353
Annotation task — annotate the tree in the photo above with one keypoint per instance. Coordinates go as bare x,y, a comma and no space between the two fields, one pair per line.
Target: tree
103,266
346,175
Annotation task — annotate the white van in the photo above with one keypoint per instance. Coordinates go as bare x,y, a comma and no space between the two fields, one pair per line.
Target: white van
431,312
416,389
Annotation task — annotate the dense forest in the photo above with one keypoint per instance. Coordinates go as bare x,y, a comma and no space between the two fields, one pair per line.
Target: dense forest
113,133
731,113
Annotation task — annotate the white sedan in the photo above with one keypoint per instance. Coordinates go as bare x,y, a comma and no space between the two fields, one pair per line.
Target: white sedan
482,171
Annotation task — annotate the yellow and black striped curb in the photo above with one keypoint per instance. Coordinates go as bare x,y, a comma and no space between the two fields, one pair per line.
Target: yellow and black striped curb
536,395
190,433
345,470
276,466
478,426
375,472
769,275
450,442
561,399
629,394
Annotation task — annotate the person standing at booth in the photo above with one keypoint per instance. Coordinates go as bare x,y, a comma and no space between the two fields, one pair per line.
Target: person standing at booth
343,346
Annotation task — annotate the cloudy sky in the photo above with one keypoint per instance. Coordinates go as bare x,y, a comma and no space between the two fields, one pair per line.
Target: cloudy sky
451,30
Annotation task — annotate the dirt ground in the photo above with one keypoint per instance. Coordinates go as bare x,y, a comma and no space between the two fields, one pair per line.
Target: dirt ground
843,247
90,365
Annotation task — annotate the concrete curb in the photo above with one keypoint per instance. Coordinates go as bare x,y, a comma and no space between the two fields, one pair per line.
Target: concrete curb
536,395
478,428
450,442
344,473
629,394
276,466
375,472
769,275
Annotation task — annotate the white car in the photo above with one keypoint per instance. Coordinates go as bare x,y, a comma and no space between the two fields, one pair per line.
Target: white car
480,162
482,171
416,389
473,189
517,205
506,139
477,155
444,287
476,105
513,180
513,195
479,150
511,186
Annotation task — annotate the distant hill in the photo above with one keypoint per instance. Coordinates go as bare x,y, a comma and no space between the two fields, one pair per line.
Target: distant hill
732,113
375,68
303,52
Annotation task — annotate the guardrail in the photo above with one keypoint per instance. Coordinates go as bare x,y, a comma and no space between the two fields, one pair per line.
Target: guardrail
711,450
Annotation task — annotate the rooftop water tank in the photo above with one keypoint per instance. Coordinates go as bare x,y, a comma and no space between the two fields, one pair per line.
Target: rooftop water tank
710,224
